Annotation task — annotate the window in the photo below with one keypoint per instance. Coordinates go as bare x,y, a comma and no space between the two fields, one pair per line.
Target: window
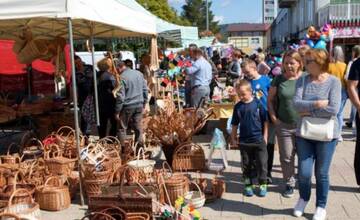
255,40
241,42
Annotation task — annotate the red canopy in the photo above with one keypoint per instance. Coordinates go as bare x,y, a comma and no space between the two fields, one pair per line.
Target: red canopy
10,66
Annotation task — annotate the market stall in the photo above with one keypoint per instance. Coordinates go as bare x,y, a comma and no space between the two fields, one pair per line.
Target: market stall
47,21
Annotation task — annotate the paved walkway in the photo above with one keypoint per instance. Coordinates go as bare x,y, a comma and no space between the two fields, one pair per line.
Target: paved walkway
343,202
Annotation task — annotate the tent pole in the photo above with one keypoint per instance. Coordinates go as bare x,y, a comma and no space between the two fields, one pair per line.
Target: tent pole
76,116
94,74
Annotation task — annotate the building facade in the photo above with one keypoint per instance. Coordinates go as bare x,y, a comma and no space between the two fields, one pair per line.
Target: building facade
343,15
248,37
270,11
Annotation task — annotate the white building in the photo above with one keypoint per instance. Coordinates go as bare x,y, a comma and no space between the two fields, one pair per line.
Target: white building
270,10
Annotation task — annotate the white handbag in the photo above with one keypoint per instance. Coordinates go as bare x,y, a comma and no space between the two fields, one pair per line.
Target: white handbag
318,129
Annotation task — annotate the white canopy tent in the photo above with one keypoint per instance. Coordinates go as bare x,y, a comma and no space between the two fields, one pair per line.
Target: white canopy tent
79,19
107,18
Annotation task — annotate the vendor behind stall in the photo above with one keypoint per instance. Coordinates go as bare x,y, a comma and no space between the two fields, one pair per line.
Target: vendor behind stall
85,88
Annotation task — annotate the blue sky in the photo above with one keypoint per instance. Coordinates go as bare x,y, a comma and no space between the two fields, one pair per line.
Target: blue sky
231,11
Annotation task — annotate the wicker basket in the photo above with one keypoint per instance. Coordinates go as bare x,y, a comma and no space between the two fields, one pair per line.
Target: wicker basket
174,184
26,210
146,166
33,148
93,186
218,187
98,216
74,183
116,212
10,159
195,198
9,216
56,163
8,191
53,197
188,156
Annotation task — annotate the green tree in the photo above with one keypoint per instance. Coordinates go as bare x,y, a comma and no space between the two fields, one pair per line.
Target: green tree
195,12
161,9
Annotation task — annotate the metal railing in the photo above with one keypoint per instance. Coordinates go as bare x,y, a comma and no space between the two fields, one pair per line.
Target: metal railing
338,12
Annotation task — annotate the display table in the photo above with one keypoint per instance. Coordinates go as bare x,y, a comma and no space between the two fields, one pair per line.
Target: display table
222,110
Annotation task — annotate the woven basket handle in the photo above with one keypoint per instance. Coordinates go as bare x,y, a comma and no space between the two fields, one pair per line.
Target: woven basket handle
11,215
168,166
53,178
197,186
71,130
10,146
141,150
16,192
93,214
53,152
39,145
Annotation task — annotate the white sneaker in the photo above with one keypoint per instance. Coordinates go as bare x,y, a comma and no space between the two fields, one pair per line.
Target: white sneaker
320,214
340,139
299,208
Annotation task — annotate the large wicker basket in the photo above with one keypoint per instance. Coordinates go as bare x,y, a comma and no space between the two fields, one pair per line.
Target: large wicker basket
21,196
53,197
25,210
188,156
56,163
144,165
174,184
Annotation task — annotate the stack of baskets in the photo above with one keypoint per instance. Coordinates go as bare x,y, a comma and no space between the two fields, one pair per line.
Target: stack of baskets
99,161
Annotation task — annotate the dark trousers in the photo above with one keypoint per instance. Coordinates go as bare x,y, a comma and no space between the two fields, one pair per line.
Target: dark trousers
357,150
106,117
254,156
131,118
270,151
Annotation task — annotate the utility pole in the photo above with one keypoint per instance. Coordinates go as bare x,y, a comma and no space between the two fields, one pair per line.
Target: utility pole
207,15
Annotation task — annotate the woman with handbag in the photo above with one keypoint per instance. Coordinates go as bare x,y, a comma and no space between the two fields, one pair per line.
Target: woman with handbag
284,115
317,100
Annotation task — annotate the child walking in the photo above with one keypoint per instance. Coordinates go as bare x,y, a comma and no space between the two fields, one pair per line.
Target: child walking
253,120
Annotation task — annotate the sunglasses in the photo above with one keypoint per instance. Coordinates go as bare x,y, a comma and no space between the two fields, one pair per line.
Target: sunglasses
308,61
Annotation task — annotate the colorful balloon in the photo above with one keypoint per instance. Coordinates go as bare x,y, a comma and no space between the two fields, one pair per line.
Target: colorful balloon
321,44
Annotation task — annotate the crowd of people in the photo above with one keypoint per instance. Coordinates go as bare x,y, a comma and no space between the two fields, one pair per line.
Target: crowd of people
300,100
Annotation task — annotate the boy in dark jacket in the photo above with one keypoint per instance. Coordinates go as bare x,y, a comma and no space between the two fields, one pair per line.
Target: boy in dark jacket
253,121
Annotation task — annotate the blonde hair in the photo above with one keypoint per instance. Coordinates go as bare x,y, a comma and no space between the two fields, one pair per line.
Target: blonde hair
243,83
303,49
294,55
261,57
321,57
104,64
248,62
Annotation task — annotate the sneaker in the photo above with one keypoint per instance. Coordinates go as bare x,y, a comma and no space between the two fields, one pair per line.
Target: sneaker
289,192
340,139
320,214
299,208
263,190
249,191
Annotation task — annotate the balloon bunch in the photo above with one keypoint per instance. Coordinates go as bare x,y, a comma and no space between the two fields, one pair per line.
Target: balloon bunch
316,39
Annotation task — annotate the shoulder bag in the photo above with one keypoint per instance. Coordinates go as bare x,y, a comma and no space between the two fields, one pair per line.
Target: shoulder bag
318,129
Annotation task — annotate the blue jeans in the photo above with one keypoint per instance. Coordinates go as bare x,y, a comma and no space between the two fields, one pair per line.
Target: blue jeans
321,153
352,114
340,115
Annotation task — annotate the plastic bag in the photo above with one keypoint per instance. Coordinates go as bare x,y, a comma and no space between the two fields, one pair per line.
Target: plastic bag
218,140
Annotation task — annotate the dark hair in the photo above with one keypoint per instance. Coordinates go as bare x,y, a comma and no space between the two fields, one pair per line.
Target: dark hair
193,46
129,63
76,57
